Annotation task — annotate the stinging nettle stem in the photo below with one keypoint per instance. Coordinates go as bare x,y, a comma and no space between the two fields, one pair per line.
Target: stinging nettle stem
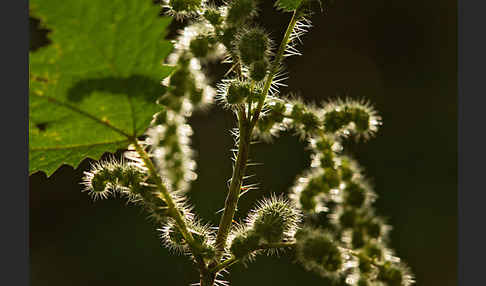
244,148
172,209
235,186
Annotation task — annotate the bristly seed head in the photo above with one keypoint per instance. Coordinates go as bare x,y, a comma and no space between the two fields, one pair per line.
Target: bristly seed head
252,45
275,219
317,250
108,177
239,11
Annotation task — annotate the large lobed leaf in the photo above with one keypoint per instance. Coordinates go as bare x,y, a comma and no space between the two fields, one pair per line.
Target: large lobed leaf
96,85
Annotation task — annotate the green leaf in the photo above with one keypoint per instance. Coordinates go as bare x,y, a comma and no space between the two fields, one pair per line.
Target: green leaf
95,87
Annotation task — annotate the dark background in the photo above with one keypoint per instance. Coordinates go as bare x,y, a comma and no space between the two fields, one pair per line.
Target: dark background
401,55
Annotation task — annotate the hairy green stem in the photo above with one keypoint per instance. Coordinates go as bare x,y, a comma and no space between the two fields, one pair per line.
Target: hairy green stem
207,278
244,148
171,207
235,186
275,67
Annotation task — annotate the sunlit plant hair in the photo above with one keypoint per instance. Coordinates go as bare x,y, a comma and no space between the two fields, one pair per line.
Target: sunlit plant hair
326,220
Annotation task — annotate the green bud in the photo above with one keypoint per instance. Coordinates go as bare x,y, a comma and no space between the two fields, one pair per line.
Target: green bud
373,250
297,111
331,177
363,282
324,144
355,195
341,113
317,251
315,186
348,218
107,177
181,82
310,121
176,236
307,200
244,243
258,70
237,92
241,10
365,265
277,111
200,46
361,118
346,171
274,219
130,177
185,5
256,95
265,123
390,275
374,228
252,45
213,16
335,120
227,36
100,180
270,225
196,96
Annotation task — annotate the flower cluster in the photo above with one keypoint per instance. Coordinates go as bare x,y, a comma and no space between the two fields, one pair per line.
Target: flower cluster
338,118
337,202
274,220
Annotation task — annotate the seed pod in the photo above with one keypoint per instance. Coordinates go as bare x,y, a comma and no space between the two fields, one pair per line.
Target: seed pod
355,195
240,11
181,82
258,70
213,16
309,120
365,265
237,92
348,218
200,46
227,36
107,177
327,159
361,119
331,177
266,123
274,219
335,120
277,111
244,243
185,6
393,275
252,45
317,250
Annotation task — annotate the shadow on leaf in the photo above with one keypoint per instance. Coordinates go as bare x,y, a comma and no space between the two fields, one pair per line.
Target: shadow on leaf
136,86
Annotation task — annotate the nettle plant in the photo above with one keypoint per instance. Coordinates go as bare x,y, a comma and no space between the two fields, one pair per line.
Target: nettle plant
96,88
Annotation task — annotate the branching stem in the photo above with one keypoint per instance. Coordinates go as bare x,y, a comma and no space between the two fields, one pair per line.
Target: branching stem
171,207
244,148
235,185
